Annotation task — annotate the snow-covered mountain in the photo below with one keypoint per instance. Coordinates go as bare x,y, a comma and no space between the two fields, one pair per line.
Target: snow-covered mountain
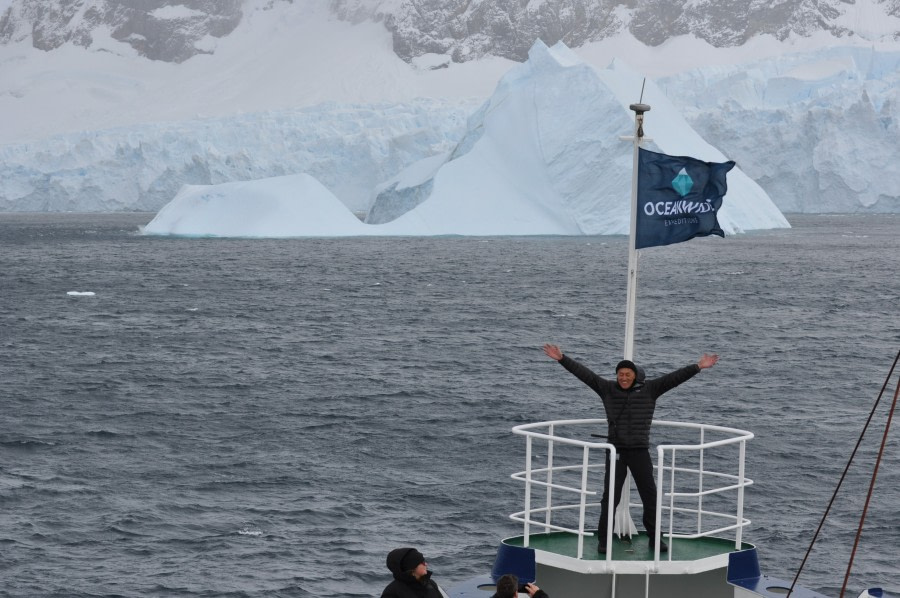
114,105
158,30
176,30
472,29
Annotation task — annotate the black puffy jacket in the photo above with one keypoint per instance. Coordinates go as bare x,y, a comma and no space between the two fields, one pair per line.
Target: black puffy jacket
630,412
405,585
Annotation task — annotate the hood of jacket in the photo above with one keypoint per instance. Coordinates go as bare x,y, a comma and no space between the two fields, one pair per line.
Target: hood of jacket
640,377
395,559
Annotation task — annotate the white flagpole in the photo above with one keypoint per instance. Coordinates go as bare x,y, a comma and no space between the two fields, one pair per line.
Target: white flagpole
630,306
622,523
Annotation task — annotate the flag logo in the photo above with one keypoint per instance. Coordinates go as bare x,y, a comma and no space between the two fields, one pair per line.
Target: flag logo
678,198
682,183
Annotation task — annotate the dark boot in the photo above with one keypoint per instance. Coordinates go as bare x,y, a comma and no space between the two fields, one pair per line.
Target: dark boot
663,547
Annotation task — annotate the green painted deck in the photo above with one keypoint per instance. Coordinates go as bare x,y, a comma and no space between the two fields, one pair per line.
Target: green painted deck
634,549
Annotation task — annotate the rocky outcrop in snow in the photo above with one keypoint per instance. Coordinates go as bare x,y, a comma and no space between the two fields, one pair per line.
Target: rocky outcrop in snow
470,29
158,29
175,30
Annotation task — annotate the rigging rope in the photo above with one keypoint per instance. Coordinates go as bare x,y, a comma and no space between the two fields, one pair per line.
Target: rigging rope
862,518
844,475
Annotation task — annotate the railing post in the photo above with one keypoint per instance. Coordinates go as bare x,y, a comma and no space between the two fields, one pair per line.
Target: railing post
671,504
700,482
549,499
740,506
527,488
585,465
660,460
610,502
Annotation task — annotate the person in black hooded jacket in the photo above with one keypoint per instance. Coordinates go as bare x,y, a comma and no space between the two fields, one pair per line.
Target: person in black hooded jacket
629,402
508,587
412,579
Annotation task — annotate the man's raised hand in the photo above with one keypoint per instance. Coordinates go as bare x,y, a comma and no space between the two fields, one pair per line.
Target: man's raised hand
707,361
553,352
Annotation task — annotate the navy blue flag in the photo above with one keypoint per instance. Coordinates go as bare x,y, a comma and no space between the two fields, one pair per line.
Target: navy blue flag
678,198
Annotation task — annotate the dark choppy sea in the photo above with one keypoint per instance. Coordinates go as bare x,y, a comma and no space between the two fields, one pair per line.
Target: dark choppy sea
270,417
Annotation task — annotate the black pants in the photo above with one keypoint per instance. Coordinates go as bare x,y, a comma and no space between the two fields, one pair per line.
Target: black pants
641,467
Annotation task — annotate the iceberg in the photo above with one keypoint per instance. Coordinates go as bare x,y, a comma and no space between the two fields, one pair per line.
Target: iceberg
543,156
286,206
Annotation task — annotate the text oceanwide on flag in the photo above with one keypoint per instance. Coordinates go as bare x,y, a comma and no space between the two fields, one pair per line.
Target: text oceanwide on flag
678,198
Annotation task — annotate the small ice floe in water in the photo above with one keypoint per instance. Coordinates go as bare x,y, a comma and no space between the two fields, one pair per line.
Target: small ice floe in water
250,532
81,293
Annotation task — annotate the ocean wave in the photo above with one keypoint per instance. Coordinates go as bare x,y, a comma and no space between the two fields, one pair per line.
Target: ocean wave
27,444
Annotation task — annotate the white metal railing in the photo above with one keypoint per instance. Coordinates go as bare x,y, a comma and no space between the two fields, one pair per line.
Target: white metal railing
684,486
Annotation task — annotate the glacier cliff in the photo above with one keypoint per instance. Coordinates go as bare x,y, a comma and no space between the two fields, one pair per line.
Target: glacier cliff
830,121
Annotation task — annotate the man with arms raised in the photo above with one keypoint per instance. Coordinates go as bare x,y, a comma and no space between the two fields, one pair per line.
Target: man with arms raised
629,401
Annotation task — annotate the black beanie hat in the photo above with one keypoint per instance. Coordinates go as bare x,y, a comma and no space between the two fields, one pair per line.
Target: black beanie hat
625,363
412,559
